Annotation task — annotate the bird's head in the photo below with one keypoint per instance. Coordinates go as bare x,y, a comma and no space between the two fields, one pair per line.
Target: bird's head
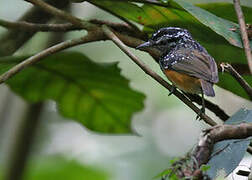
166,38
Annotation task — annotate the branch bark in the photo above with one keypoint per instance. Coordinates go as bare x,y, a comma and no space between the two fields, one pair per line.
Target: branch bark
209,105
35,27
202,153
63,15
244,34
219,133
65,27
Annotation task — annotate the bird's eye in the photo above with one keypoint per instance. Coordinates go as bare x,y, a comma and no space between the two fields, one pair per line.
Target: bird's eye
162,42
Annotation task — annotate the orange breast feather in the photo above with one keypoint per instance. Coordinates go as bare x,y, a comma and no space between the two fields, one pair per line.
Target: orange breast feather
184,82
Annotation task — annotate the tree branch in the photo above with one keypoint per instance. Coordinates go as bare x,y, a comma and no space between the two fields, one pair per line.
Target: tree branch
154,75
203,151
242,69
12,40
220,133
244,34
238,78
211,106
227,131
35,27
56,48
26,26
63,15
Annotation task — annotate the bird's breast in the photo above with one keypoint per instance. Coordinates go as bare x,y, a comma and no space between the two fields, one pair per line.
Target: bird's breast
183,81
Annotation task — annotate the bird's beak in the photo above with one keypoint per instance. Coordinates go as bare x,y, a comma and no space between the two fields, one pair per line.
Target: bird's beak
144,45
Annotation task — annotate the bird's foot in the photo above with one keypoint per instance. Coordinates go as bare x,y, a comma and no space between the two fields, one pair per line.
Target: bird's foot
172,90
202,111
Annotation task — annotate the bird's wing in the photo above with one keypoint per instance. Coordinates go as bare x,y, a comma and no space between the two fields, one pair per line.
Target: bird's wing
195,63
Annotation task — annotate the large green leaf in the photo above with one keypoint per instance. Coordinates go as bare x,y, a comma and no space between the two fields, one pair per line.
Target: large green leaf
96,95
219,25
57,167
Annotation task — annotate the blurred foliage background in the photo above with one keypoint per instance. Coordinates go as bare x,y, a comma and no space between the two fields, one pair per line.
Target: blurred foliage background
65,149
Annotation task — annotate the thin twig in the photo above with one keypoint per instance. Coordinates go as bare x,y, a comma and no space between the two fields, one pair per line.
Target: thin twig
63,15
12,40
27,26
154,75
242,69
65,27
59,47
244,34
238,78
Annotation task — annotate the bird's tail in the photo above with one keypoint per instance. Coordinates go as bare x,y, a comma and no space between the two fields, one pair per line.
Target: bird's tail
207,88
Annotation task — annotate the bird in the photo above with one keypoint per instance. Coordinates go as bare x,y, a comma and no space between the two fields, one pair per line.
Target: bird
184,61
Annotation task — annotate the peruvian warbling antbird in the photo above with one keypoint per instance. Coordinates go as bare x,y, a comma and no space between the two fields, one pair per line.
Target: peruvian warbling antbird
184,61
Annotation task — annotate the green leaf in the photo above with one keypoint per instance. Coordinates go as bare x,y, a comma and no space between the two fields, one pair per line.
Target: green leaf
162,174
230,152
51,168
168,172
95,95
126,10
204,167
219,25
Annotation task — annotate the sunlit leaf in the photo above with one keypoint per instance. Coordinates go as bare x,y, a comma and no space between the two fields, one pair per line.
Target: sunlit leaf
95,95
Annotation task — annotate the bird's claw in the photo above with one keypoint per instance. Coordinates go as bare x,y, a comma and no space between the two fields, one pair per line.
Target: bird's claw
172,90
202,111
